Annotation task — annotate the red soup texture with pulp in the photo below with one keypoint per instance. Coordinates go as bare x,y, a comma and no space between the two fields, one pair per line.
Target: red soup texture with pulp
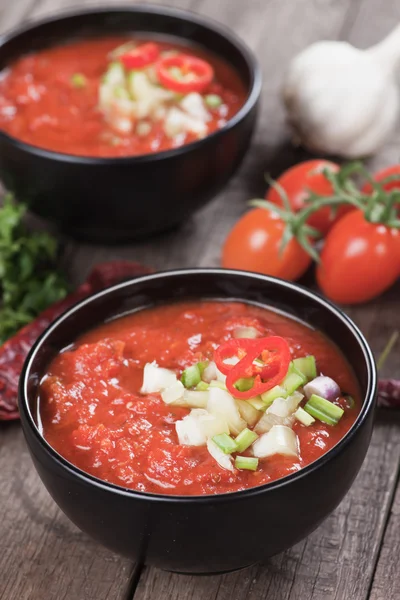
93,410
114,97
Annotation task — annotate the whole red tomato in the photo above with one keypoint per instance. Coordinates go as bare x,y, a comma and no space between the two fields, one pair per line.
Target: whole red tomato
254,245
359,260
380,175
298,181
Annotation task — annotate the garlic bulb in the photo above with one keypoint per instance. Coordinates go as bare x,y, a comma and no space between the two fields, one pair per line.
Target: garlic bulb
341,100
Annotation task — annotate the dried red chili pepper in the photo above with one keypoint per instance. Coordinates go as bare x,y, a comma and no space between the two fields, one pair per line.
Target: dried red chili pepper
275,353
15,350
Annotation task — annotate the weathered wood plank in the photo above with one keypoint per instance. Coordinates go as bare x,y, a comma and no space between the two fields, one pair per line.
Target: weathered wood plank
42,555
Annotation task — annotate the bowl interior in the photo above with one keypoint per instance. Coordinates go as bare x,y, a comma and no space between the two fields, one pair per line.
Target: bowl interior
202,284
140,20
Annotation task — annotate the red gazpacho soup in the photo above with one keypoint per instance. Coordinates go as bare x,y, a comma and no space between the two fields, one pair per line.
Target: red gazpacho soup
197,398
113,96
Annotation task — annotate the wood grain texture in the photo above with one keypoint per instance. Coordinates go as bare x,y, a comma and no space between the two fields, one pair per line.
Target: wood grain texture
43,556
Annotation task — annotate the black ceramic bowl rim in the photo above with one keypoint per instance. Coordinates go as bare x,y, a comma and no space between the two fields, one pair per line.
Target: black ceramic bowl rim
249,57
367,406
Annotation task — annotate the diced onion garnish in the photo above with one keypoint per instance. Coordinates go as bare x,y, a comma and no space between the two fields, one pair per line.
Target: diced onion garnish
198,426
322,386
248,412
245,439
173,392
284,407
177,122
210,372
221,403
276,392
303,416
224,460
256,403
218,384
193,399
156,379
213,101
323,410
225,442
279,440
193,105
248,463
143,128
246,332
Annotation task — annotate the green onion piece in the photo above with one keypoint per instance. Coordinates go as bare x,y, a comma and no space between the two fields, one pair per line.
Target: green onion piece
202,386
245,439
303,416
121,92
191,376
307,366
213,100
78,80
294,379
272,394
225,443
218,384
244,384
323,410
256,402
248,463
203,364
349,400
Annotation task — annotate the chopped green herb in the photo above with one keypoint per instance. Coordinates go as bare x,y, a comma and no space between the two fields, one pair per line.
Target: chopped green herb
225,443
248,463
303,416
307,366
191,376
29,278
323,410
202,386
213,100
272,394
78,80
244,384
294,379
245,439
349,400
203,364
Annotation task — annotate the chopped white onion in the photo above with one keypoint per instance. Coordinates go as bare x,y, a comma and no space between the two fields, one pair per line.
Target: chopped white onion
193,399
177,122
224,460
279,440
322,386
284,407
210,372
268,421
222,403
248,412
246,332
198,426
193,105
156,379
173,392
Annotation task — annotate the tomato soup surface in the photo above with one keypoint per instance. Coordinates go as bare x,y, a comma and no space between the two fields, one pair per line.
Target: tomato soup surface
91,410
111,97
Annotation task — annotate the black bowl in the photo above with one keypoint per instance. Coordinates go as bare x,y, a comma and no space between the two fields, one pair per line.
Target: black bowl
116,199
202,534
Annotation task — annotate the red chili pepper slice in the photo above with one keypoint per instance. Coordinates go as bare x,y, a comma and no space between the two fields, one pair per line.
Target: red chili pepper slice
141,56
275,352
194,74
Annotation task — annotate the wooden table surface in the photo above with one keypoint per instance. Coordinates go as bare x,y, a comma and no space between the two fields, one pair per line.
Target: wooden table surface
354,554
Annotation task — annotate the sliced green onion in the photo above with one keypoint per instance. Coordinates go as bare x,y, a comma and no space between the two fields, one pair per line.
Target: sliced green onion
256,402
202,386
248,463
213,100
307,366
350,400
78,80
294,379
121,92
203,364
244,384
323,410
245,439
225,443
303,416
272,394
191,376
218,384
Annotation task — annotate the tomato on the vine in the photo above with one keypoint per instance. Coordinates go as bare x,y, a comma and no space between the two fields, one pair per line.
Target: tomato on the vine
254,244
298,181
359,260
383,174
